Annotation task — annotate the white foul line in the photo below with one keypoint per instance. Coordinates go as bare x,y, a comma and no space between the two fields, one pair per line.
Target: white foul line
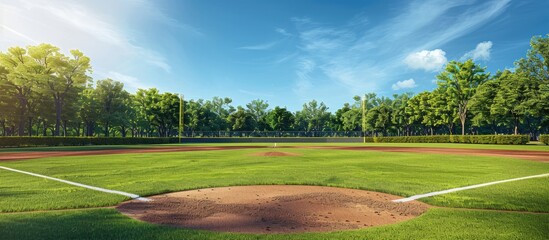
465,188
131,195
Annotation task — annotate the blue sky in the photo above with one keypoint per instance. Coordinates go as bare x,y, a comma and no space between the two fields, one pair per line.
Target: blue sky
285,51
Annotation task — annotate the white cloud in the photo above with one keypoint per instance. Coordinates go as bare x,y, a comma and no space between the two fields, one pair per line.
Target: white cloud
481,52
283,32
464,23
361,57
305,68
19,34
263,46
410,83
427,60
108,32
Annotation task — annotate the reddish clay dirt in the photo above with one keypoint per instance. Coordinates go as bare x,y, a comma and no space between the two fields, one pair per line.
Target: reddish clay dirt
273,209
274,154
539,156
5,156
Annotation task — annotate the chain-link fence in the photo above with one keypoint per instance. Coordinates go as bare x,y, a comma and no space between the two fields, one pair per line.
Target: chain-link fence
272,134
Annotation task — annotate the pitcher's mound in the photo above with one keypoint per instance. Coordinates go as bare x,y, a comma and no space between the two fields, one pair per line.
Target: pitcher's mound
274,154
273,209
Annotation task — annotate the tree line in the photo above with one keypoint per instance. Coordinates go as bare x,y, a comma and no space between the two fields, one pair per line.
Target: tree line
44,92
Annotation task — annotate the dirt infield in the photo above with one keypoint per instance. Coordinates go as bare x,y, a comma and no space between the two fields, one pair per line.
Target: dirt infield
273,209
541,156
4,156
528,155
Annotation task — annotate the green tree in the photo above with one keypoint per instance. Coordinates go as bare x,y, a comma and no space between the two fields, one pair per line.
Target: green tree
89,110
6,101
241,120
348,118
460,81
258,109
315,115
280,119
21,83
444,110
512,99
166,114
378,119
220,108
399,118
481,105
193,114
536,67
146,101
111,97
60,77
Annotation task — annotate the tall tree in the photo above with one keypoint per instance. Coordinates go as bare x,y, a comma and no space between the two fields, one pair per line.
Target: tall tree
89,110
6,101
399,117
21,81
536,67
258,109
460,80
166,114
444,110
512,98
316,115
146,101
241,120
280,119
481,105
111,97
348,118
378,119
221,108
61,77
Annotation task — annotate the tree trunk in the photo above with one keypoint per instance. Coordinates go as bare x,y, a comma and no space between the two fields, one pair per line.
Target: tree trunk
123,131
30,127
21,122
78,128
516,126
107,129
89,128
462,127
44,128
58,109
3,123
65,128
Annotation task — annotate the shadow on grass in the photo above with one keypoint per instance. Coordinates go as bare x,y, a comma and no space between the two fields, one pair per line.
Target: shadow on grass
435,224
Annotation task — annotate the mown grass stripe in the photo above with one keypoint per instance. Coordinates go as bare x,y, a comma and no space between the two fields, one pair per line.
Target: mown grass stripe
131,195
415,197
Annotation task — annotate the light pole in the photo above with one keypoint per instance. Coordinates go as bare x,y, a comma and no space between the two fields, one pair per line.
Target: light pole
364,117
181,126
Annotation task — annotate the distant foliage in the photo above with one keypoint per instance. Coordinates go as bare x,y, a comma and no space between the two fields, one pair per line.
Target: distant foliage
46,93
79,141
544,139
474,139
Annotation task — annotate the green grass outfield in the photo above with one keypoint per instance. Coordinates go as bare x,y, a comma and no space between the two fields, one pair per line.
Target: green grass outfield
532,146
402,174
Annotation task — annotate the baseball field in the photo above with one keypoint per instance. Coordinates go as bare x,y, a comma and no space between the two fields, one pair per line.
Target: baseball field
282,191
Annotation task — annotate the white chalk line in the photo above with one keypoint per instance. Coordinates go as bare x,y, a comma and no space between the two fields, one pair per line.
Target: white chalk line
131,195
415,197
